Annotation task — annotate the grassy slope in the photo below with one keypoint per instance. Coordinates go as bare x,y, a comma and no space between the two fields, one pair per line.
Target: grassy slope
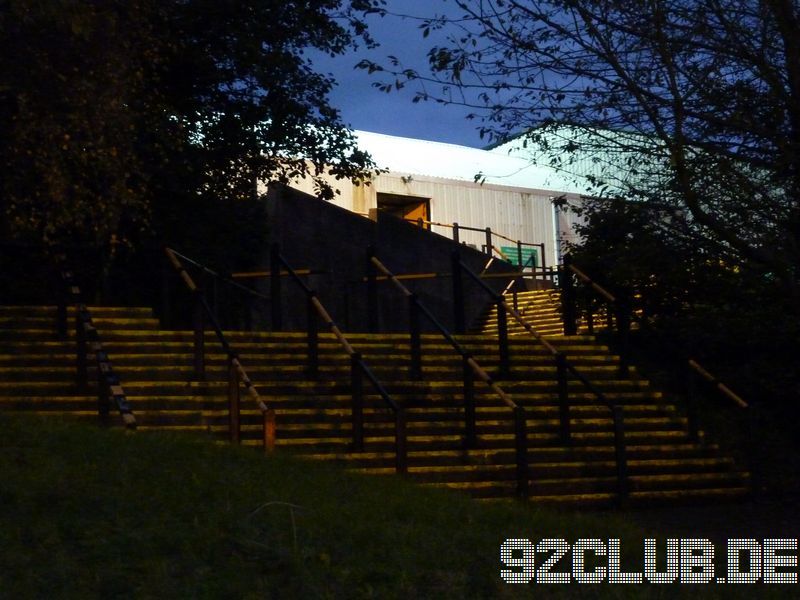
92,513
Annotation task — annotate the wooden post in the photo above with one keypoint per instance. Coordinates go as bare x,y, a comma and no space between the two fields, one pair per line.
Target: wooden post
455,234
268,429
489,241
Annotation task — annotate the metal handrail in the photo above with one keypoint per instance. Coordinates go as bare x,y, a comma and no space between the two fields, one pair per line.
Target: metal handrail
470,365
264,274
86,334
358,366
694,369
528,327
693,364
236,371
595,286
477,369
432,275
230,280
737,399
500,253
488,246
563,366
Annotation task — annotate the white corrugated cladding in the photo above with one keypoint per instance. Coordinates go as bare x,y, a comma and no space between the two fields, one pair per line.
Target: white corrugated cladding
519,214
514,198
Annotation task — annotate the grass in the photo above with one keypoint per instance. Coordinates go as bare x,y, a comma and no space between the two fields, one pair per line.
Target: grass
91,513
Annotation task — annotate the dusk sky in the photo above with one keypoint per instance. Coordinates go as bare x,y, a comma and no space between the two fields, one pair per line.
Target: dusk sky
364,107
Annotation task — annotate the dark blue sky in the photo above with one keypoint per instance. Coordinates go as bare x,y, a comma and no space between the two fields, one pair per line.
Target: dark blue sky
364,107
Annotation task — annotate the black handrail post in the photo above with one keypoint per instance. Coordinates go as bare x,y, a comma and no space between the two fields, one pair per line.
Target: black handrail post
248,313
312,336
470,436
234,414
519,256
214,298
620,454
624,331
372,292
357,391
455,234
542,261
414,338
275,287
502,338
489,241
199,337
400,446
458,293
521,447
103,399
691,404
590,316
81,370
754,444
563,399
166,308
568,297
61,310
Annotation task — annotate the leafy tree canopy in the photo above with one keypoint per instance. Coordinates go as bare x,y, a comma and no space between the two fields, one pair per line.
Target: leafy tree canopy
706,93
112,108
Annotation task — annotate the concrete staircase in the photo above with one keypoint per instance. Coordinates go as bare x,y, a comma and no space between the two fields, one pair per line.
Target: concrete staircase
541,308
313,416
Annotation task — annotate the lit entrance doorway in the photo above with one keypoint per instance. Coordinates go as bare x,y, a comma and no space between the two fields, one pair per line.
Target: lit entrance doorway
410,208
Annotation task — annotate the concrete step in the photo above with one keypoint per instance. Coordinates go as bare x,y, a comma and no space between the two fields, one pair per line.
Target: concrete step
314,417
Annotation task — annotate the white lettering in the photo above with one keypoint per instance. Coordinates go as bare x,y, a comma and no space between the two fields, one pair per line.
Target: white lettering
650,562
579,550
772,560
697,561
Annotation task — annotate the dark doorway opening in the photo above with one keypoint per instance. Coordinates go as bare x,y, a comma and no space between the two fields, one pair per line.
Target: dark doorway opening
411,208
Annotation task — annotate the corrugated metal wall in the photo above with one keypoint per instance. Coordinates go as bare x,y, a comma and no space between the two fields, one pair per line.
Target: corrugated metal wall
525,215
520,214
